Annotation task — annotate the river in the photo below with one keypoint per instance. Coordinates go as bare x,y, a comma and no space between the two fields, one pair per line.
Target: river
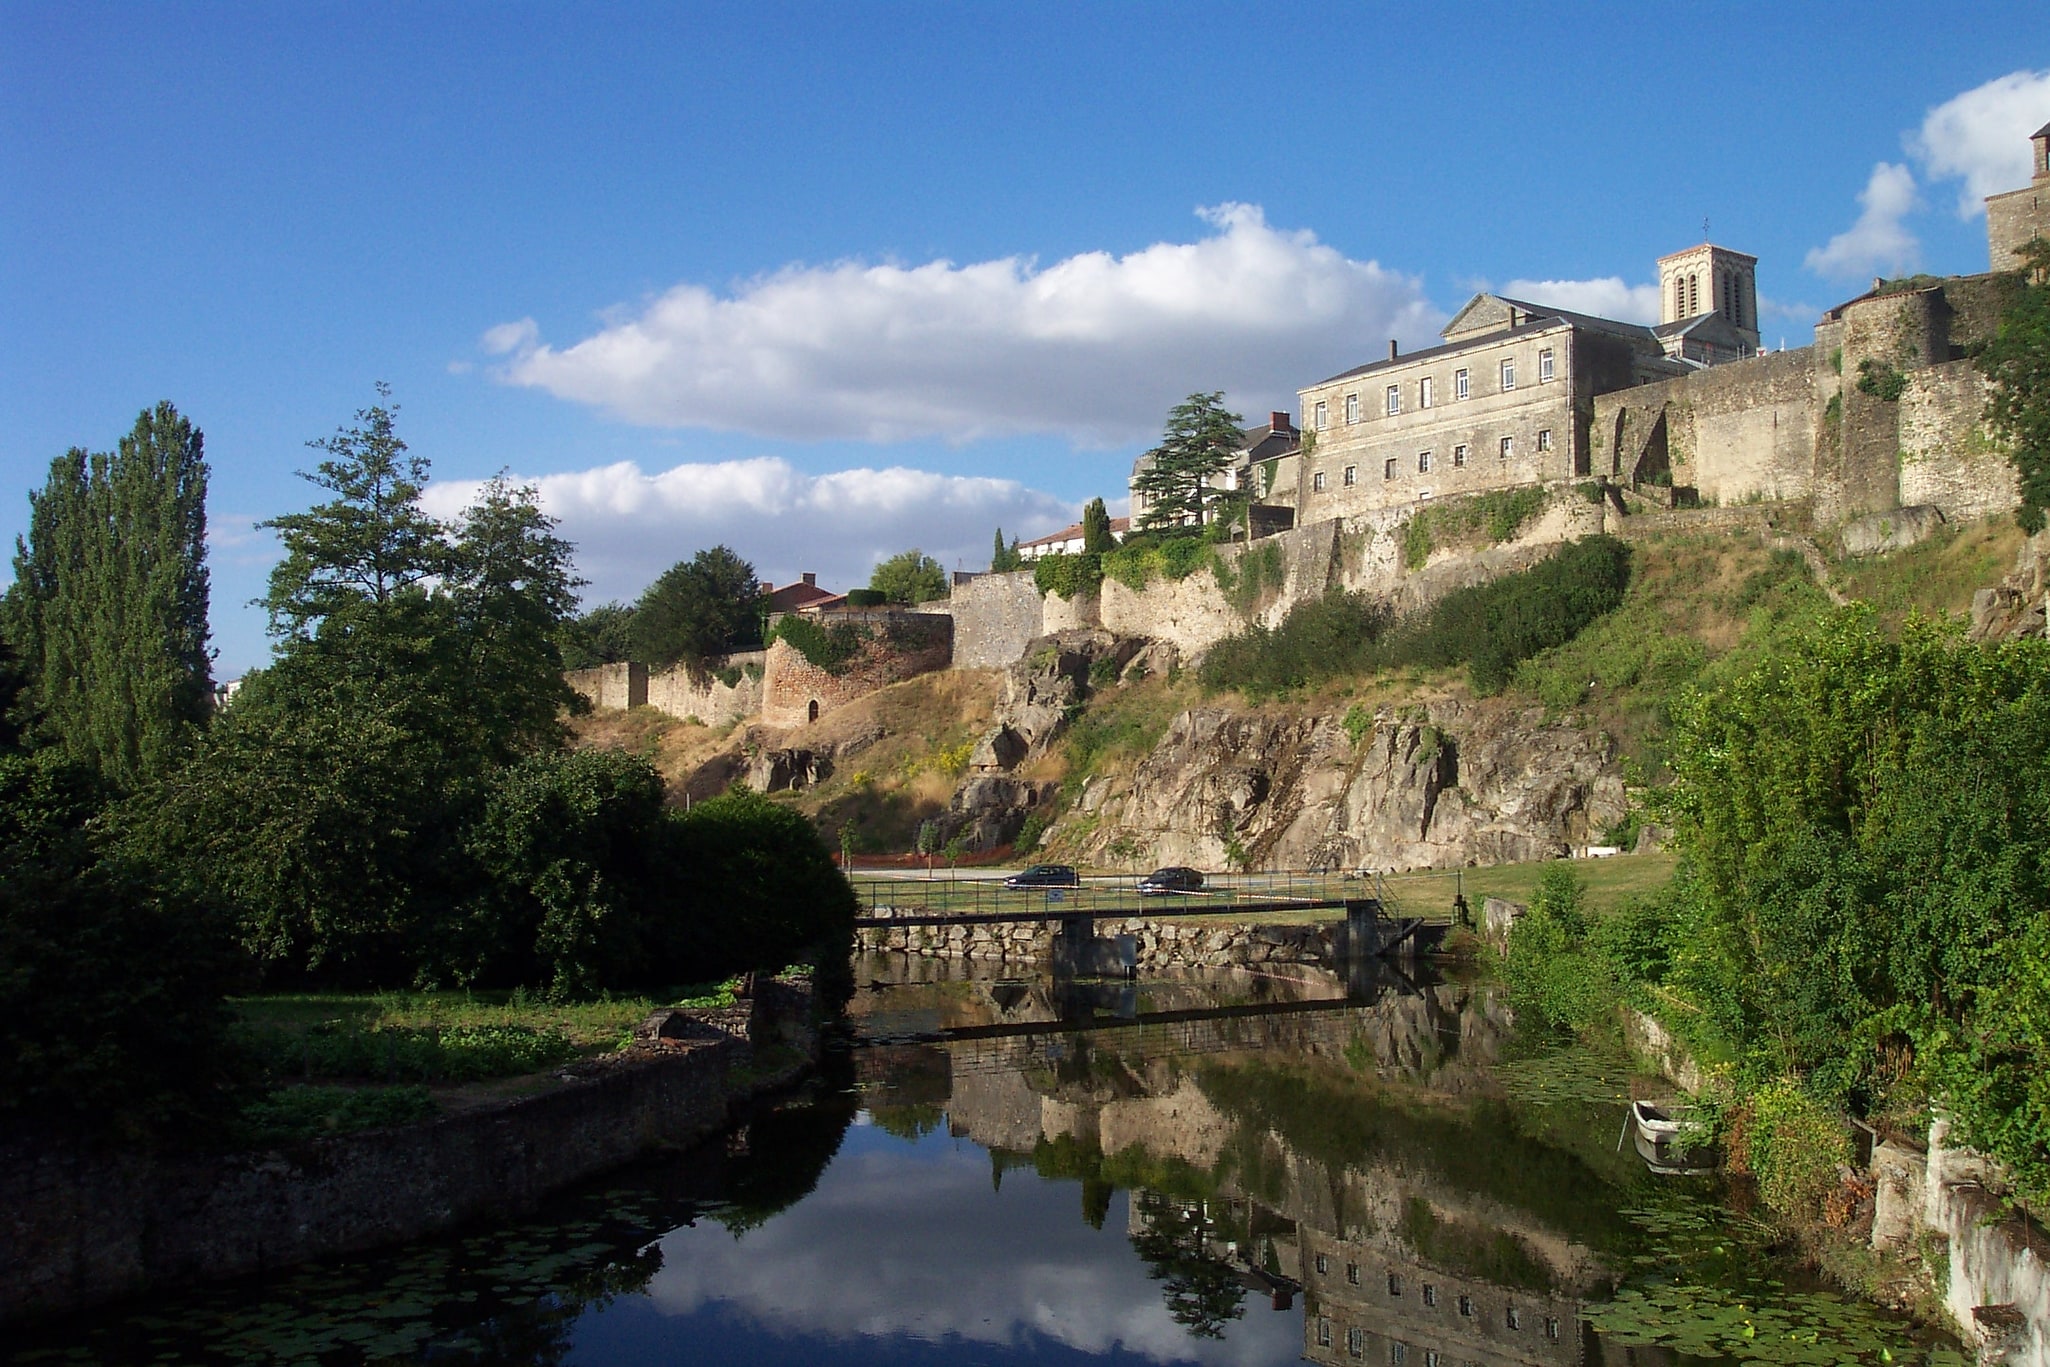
1234,1169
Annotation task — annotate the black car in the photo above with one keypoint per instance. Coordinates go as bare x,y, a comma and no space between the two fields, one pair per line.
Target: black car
1172,879
1044,876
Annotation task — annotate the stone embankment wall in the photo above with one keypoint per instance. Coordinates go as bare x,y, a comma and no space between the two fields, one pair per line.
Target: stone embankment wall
995,617
1161,944
85,1225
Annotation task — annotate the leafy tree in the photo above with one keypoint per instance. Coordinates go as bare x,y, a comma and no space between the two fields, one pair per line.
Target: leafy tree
511,586
1096,537
368,545
1202,1291
108,609
909,577
1003,559
1201,439
2017,361
699,608
601,636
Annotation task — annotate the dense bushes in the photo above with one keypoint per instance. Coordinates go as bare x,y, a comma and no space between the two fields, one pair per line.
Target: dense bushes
1067,576
1861,916
1488,628
110,989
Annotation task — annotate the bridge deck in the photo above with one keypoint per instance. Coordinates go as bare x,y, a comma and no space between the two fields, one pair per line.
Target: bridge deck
1064,912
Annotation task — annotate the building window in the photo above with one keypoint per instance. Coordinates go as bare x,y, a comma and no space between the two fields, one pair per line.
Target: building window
1323,1332
1317,482
1693,295
1511,1318
1431,1358
1545,439
1430,1294
1551,1328
1388,470
1423,462
1679,296
1398,1353
1356,1343
1509,374
1352,409
1394,1284
1508,447
1322,415
1460,388
1394,400
1352,1274
1352,475
1423,392
1459,457
1466,1306
1545,366
1323,1264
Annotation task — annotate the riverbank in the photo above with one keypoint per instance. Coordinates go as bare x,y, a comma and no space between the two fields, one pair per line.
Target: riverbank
89,1225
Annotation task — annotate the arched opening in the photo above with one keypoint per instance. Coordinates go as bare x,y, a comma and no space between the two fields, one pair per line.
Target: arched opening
812,713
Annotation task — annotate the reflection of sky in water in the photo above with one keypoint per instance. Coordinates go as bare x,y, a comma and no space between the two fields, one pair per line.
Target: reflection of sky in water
905,1253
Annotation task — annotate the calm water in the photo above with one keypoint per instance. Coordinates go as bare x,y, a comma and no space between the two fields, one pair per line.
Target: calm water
1242,1169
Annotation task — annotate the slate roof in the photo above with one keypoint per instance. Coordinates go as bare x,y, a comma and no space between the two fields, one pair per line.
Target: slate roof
1542,316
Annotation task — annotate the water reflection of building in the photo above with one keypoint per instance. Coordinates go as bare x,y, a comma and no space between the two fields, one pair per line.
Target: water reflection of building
1368,1302
1400,1256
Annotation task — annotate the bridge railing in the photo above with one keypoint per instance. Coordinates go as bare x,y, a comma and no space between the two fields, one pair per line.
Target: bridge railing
977,893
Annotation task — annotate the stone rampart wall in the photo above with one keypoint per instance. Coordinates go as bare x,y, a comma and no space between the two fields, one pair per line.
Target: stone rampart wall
795,691
1947,458
995,616
1740,431
611,688
678,693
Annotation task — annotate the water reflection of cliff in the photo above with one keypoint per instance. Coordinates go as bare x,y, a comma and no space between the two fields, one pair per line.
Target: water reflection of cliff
1279,1133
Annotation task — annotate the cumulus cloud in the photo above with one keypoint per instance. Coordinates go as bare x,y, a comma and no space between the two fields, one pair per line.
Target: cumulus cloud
1878,242
857,1259
629,525
1094,348
1982,137
1608,297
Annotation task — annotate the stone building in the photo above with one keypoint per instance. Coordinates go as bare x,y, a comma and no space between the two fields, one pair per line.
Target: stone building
1727,330
2016,217
1505,401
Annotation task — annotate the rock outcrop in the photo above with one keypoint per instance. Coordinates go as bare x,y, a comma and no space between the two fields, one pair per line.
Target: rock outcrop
2020,604
1433,785
1042,691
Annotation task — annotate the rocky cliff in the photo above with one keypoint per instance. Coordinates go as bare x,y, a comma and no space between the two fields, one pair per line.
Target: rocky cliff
1428,785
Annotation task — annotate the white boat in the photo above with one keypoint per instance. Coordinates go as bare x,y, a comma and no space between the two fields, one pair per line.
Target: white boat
1658,1131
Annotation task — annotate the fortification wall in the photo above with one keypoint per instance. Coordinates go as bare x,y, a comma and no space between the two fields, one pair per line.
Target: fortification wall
1947,458
610,688
1737,432
900,645
1071,614
678,693
995,615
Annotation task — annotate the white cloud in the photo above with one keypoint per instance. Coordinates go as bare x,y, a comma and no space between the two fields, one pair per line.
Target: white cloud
1982,137
1605,298
1095,348
629,525
1878,242
856,1259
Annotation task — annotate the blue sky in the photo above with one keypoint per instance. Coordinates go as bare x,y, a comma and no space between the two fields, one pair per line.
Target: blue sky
827,281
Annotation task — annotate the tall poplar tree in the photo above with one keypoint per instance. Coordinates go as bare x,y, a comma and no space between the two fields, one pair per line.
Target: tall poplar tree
108,609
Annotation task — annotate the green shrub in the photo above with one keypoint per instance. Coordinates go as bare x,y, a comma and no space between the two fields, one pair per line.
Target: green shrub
1490,517
1323,639
296,1114
1882,380
1068,576
458,1053
866,598
1358,724
1552,971
1792,1144
827,648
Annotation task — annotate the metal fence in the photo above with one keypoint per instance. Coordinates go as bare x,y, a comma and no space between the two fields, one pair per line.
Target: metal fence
979,893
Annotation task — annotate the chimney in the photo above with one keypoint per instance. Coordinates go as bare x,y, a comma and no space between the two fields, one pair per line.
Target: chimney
1278,421
811,580
1393,350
